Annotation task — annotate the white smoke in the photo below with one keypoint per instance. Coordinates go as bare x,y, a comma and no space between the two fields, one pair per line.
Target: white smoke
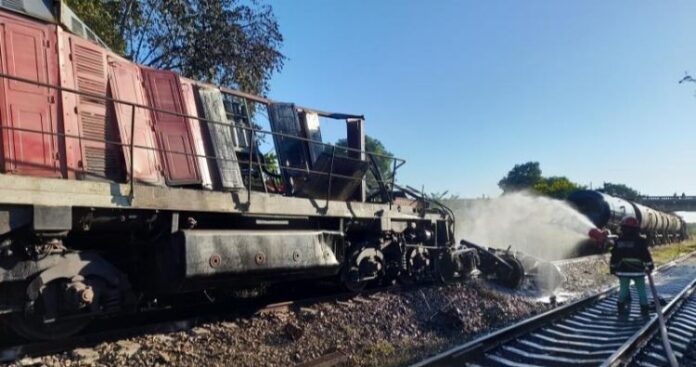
539,226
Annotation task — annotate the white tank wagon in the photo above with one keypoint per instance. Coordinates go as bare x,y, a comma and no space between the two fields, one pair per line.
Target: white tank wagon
606,211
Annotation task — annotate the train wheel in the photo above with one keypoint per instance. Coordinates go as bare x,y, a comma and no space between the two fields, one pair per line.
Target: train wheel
34,327
61,300
365,264
417,263
511,278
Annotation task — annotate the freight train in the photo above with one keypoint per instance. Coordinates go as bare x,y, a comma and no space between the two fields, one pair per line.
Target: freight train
606,211
123,186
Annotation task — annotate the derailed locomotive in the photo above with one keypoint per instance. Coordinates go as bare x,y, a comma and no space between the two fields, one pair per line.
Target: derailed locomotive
606,211
122,184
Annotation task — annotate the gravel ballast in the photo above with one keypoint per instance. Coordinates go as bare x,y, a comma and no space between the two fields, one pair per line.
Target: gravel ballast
383,329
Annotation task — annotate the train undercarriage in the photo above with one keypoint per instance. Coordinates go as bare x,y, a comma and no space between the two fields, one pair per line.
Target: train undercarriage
62,266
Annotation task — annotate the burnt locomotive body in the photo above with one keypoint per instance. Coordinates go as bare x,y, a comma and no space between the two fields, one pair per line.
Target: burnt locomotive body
122,184
606,211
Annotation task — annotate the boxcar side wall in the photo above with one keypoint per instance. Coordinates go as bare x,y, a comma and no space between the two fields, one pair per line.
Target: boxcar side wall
173,135
28,50
126,84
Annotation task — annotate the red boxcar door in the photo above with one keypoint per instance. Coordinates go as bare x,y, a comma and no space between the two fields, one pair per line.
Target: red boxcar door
196,132
126,85
172,131
28,51
101,154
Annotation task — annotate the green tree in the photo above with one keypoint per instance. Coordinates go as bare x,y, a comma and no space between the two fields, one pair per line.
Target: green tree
103,18
385,164
228,42
520,177
558,187
373,145
620,190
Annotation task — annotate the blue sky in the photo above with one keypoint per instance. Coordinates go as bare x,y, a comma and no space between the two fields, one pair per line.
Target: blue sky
463,90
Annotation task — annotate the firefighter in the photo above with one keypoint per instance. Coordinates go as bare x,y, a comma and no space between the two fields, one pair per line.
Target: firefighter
630,259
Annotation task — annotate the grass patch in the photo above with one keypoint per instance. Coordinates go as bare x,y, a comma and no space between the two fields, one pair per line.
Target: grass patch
691,227
377,354
667,253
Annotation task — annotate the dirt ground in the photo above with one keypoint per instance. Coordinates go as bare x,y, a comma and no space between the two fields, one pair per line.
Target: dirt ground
384,329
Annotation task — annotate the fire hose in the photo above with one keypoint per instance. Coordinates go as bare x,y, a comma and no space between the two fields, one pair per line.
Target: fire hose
661,320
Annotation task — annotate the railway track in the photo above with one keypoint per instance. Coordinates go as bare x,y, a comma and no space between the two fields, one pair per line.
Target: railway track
681,329
588,332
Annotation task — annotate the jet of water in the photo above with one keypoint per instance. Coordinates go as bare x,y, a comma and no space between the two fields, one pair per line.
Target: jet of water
539,226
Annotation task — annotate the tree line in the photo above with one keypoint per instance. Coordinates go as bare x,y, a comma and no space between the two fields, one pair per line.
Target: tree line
232,43
528,176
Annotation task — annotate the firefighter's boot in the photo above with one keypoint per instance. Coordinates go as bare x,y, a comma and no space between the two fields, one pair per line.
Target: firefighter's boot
622,308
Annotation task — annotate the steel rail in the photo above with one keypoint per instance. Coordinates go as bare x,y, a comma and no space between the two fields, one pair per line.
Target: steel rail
629,349
475,350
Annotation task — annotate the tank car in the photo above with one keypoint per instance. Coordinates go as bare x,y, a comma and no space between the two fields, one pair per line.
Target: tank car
606,211
123,186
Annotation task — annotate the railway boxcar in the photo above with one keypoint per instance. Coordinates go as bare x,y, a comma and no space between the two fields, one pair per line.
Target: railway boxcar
123,186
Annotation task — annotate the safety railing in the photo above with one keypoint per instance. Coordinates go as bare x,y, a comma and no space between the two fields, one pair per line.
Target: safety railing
254,133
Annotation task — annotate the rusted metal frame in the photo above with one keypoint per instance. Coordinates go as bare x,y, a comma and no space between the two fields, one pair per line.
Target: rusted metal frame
265,100
328,191
132,156
150,108
331,115
133,146
205,120
242,161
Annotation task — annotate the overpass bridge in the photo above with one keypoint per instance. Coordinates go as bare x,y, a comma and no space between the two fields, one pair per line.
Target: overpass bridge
670,203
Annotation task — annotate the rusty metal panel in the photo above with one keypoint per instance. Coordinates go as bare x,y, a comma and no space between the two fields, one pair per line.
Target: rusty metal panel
195,256
221,137
173,135
84,68
71,142
27,53
125,84
195,126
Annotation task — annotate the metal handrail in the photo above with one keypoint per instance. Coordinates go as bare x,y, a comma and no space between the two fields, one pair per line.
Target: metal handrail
203,119
241,161
397,162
